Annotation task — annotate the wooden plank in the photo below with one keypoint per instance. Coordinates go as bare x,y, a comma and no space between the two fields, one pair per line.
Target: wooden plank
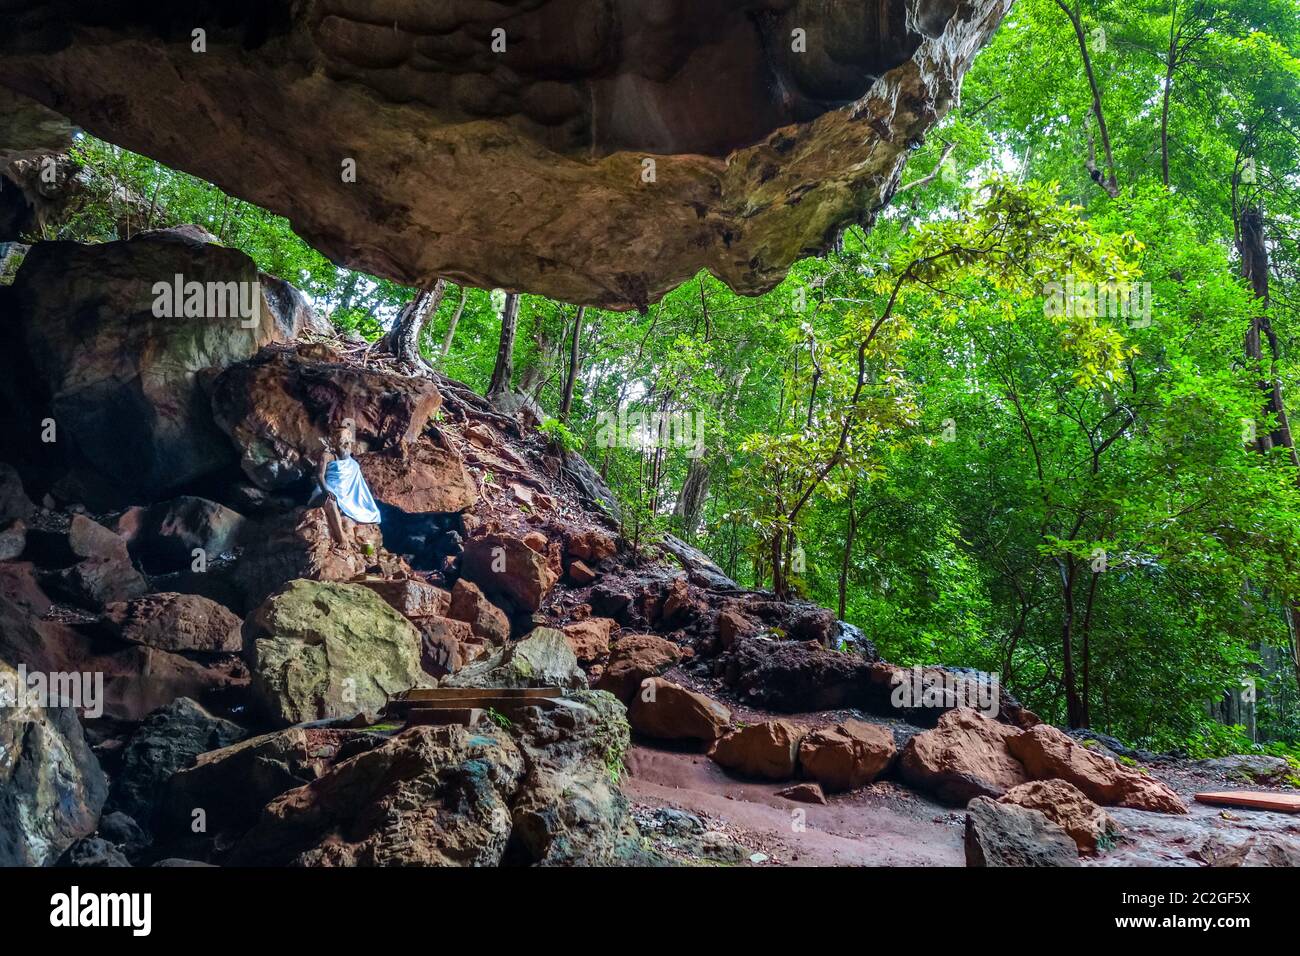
470,693
1255,800
465,716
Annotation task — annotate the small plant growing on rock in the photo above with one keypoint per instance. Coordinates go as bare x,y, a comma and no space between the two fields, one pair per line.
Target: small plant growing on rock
559,435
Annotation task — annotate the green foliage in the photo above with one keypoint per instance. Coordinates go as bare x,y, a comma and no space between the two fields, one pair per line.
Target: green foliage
559,435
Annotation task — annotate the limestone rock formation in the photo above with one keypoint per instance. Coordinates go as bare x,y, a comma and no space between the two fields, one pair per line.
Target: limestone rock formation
1006,834
595,151
94,346
330,650
51,785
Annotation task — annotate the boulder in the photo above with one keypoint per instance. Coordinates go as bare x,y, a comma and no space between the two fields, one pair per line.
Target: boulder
423,479
164,537
767,750
569,810
278,406
13,539
51,786
410,597
230,786
298,545
447,645
330,650
801,676
589,638
167,741
542,659
1066,806
847,756
1005,834
470,604
580,574
764,149
1249,768
96,583
1047,754
137,679
632,659
590,545
97,344
14,502
804,793
733,624
666,711
101,571
965,756
430,796
504,565
93,853
177,622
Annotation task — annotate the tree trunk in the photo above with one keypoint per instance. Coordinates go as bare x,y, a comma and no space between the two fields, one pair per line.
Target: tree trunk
504,370
403,339
455,320
1073,707
690,502
848,547
566,404
1255,269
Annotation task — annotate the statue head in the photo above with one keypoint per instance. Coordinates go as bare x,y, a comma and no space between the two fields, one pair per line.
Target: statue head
344,438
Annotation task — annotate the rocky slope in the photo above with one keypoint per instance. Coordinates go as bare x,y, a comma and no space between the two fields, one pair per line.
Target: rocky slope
156,533
595,151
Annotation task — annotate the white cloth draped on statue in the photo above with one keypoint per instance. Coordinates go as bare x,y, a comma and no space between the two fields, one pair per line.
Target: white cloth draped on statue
344,479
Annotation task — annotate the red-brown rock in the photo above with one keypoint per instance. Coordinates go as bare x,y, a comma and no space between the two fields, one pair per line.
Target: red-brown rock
848,755
278,406
731,625
411,597
803,793
422,480
1048,753
504,565
580,574
1065,805
177,622
668,712
470,604
591,545
767,750
589,638
632,659
447,645
964,757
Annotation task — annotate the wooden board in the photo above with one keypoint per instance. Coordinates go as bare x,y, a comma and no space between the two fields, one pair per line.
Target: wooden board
1253,800
431,694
